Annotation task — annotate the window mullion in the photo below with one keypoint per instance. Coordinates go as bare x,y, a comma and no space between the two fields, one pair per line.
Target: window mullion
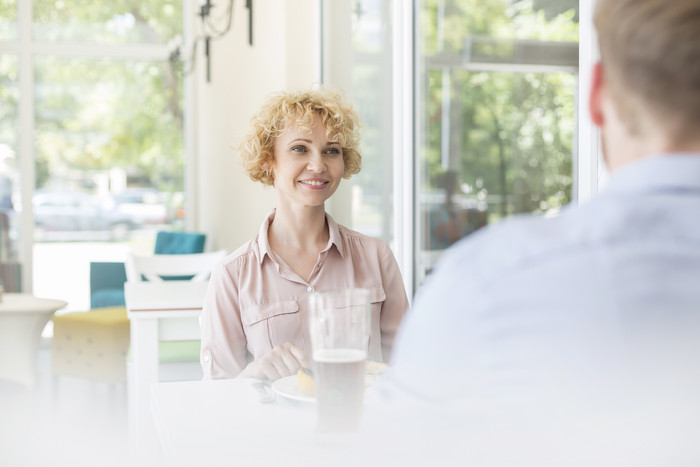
588,168
27,154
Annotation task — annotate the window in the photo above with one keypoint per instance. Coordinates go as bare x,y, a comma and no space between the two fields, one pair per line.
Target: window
496,115
94,142
471,114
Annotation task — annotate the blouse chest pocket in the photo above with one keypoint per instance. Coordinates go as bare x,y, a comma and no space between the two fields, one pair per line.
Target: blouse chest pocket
257,313
377,295
270,324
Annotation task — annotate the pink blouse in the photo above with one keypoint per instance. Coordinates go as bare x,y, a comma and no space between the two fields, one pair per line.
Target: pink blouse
255,301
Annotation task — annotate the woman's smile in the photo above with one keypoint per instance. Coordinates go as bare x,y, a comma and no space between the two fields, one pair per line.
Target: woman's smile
314,183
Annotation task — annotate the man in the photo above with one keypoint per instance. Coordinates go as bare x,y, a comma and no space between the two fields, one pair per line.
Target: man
573,340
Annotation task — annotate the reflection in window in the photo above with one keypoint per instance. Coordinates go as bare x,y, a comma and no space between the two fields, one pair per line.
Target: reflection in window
497,115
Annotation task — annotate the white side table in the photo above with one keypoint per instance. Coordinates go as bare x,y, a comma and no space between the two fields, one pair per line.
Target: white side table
22,318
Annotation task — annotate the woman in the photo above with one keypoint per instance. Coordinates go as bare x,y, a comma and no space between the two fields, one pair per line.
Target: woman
255,322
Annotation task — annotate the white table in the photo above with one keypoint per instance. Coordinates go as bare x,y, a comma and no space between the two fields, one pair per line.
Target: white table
223,422
151,307
22,318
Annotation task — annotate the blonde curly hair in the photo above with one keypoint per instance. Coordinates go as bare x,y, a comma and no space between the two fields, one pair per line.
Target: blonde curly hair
300,108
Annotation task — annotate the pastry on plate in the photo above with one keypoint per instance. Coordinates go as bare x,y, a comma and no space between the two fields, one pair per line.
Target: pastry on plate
374,370
305,380
305,376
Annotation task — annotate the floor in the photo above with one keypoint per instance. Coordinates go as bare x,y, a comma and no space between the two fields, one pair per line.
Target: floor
63,421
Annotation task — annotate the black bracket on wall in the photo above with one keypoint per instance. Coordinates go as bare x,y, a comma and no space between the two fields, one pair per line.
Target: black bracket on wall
211,30
249,6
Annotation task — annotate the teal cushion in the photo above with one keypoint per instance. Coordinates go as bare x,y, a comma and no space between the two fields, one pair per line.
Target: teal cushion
178,243
107,284
107,298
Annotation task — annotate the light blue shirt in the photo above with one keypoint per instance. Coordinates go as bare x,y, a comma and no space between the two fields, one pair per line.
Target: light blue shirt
592,313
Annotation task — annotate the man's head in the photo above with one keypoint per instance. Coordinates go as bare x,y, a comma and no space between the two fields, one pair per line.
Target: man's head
650,56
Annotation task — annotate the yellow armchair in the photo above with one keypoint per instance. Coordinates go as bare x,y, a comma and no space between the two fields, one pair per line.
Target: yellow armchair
91,345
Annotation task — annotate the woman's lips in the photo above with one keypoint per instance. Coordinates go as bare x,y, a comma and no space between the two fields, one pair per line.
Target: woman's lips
314,184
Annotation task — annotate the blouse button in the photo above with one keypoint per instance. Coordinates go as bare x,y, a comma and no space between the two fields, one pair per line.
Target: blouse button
309,289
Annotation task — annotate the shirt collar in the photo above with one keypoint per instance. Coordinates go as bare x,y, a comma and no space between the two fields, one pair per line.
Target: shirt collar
334,237
264,242
673,171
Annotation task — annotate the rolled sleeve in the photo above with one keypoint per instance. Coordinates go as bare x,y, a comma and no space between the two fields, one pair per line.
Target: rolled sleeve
223,351
396,303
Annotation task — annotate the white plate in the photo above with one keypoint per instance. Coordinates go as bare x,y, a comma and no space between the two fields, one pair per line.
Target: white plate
288,387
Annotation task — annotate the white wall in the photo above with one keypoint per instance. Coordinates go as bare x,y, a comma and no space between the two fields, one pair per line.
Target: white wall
228,206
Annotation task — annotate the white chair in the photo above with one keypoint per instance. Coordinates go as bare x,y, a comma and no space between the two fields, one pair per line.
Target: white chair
159,267
178,338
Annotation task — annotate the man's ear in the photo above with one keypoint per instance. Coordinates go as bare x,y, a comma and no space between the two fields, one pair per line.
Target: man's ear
595,98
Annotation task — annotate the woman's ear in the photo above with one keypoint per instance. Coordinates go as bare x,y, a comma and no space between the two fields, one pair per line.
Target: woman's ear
596,96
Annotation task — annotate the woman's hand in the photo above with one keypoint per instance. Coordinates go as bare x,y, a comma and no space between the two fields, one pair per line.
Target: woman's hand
283,360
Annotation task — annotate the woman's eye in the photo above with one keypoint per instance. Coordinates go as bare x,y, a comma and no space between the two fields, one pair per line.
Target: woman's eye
298,149
333,151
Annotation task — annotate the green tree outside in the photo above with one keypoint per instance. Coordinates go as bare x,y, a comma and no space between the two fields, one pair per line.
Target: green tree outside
512,131
95,114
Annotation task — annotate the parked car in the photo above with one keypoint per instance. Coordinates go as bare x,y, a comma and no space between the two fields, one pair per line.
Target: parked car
77,212
142,205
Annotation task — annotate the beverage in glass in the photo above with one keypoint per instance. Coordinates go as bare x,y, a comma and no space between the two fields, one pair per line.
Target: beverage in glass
340,325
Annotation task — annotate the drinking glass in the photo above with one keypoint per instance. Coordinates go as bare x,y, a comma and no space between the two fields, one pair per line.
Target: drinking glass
339,323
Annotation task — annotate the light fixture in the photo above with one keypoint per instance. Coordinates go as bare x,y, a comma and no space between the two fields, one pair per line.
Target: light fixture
211,29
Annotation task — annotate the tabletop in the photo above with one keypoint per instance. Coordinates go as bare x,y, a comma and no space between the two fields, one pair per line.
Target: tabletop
223,422
27,303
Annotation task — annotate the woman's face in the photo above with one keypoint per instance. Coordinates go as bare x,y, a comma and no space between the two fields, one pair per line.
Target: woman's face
307,168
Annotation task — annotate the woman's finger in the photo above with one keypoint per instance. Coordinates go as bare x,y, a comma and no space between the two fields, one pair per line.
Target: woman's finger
269,369
300,356
291,363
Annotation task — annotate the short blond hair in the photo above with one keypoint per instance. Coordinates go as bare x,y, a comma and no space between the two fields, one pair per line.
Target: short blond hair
300,108
650,52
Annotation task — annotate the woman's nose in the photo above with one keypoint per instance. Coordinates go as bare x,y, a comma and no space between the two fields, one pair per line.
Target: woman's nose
316,163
